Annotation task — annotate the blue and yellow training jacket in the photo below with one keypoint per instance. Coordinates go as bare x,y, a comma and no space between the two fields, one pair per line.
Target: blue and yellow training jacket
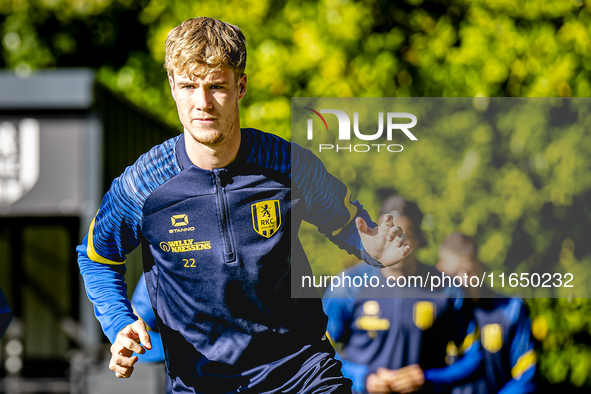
219,247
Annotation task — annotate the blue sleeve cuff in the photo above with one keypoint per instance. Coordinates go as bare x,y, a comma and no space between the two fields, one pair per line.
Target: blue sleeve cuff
370,260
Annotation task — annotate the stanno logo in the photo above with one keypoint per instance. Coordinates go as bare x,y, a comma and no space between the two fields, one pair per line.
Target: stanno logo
180,221
185,245
266,217
345,130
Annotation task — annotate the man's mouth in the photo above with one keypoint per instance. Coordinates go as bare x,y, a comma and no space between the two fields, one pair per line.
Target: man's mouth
205,122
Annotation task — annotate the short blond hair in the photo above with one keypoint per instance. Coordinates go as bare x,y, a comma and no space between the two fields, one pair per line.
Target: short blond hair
200,45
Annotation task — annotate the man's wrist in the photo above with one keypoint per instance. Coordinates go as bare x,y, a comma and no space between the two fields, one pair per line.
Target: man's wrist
369,259
120,325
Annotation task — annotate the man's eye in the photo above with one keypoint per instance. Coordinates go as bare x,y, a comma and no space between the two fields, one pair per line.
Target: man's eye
188,87
216,87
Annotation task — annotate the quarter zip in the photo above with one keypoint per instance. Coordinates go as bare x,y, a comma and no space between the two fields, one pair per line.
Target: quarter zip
223,216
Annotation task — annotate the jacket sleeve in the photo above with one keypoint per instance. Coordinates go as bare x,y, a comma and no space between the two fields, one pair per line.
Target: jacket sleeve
522,355
340,312
140,301
354,371
5,313
115,232
461,371
328,203
339,306
470,360
101,258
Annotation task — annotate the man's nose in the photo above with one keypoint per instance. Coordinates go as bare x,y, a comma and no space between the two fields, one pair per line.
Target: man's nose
202,100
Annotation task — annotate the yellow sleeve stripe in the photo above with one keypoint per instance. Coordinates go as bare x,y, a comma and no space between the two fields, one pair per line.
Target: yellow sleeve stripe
93,255
525,362
352,212
469,340
330,339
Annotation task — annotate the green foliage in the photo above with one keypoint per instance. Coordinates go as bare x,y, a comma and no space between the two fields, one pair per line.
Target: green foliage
519,184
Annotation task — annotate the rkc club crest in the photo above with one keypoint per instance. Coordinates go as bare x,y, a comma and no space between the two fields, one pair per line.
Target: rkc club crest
266,217
423,314
492,337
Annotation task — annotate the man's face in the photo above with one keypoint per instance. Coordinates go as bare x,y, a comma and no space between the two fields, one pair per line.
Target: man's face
208,105
454,264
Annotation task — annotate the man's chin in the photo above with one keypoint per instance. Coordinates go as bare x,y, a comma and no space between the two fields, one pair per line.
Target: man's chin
212,142
210,138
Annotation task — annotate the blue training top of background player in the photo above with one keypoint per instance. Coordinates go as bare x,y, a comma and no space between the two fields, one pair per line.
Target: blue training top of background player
393,327
507,345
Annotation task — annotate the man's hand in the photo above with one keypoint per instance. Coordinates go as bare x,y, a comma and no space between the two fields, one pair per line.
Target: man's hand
385,243
127,342
379,383
406,380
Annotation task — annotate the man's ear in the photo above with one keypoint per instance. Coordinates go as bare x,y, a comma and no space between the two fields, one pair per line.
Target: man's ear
241,86
172,87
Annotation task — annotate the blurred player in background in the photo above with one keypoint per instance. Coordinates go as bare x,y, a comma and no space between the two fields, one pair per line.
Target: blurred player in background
395,339
140,302
213,209
505,328
5,313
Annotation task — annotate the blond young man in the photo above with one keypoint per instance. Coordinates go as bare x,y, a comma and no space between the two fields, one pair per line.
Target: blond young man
213,210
